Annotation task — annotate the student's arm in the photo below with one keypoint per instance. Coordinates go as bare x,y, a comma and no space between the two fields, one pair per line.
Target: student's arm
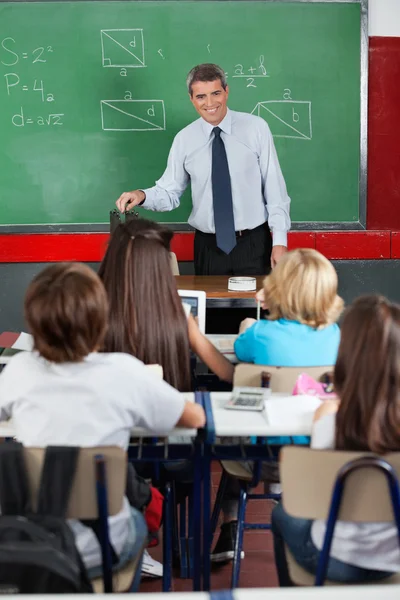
207,352
245,324
244,345
323,430
166,194
193,416
328,407
153,403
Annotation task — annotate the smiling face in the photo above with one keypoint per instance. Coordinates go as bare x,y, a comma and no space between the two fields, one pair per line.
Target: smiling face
209,99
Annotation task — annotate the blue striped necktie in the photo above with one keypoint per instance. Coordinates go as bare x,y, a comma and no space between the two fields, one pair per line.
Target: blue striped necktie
222,196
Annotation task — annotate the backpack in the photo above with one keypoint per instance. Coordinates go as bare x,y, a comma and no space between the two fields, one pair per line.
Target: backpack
37,550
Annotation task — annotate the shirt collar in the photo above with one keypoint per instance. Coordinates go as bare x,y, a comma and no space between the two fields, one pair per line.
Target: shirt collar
225,125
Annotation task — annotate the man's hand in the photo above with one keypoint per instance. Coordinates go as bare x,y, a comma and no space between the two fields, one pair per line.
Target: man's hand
128,200
276,254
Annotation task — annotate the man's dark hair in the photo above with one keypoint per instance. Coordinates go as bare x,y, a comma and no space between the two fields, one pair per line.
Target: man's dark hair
205,72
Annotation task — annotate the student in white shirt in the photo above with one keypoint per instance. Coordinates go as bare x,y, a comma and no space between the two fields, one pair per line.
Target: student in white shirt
66,393
366,418
146,318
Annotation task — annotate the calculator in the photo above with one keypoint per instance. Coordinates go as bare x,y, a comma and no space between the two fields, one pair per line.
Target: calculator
248,398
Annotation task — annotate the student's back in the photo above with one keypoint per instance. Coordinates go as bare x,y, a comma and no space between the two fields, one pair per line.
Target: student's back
285,343
146,317
366,419
300,330
65,393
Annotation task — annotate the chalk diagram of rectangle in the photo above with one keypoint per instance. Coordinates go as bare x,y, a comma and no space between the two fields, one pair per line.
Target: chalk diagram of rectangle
122,48
132,115
280,114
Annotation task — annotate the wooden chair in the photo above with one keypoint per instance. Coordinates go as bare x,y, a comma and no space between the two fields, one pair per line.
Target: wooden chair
283,380
308,480
174,263
84,500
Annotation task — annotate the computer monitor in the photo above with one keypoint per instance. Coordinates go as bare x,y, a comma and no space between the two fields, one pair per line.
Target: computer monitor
197,303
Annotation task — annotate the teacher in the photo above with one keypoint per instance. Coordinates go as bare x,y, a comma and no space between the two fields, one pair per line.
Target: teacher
238,192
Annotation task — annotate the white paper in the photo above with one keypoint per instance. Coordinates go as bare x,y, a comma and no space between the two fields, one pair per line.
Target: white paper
291,409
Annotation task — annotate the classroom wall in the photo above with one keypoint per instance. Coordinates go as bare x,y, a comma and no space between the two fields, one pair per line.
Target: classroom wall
384,18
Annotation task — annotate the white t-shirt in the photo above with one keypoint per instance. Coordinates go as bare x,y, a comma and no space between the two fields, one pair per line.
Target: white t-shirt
367,545
95,402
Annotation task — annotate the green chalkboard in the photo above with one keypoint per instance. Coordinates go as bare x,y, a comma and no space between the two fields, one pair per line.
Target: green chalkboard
92,94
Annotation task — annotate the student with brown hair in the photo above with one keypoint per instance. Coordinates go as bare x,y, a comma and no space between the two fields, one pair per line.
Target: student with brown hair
365,418
67,393
146,317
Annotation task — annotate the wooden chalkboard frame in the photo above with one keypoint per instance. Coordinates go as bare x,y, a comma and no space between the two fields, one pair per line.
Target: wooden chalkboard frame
321,225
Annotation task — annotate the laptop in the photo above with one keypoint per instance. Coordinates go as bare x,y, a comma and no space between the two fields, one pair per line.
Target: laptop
197,302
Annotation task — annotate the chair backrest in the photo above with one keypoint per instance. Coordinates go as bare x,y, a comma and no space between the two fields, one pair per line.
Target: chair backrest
83,500
174,263
283,379
308,477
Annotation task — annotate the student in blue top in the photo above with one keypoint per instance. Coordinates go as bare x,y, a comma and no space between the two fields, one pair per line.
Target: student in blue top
299,331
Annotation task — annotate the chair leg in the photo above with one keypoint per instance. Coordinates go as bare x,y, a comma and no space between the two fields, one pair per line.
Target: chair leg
190,547
239,537
218,501
167,540
182,539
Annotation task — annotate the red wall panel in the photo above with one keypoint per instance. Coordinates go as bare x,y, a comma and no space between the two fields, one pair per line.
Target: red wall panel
383,205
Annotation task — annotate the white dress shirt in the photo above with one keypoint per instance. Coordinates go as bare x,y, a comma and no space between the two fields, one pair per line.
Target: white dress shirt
95,402
258,188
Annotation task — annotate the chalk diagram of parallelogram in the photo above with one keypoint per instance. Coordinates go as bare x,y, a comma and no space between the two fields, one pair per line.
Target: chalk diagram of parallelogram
132,115
286,118
122,48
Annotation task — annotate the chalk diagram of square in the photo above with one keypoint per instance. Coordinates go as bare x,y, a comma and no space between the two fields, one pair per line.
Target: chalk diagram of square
122,48
279,116
132,115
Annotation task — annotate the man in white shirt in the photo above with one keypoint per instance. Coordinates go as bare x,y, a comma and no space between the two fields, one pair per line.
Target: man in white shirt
238,191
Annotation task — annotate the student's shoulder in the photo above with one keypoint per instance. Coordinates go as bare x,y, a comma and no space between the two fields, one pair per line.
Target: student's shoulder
120,361
24,360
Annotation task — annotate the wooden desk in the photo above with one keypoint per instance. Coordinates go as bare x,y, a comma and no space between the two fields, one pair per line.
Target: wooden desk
216,289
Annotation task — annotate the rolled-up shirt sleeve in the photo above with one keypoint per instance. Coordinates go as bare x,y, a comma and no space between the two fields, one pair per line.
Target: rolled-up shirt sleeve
166,194
274,189
244,345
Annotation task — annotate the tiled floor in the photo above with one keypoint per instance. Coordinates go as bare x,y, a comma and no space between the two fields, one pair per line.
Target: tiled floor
257,568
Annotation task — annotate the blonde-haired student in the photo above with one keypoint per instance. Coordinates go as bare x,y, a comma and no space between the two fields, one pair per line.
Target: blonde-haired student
300,329
67,393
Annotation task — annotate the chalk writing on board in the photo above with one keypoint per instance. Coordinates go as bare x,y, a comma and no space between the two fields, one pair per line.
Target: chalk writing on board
122,48
161,54
251,73
132,115
286,118
9,57
50,120
12,80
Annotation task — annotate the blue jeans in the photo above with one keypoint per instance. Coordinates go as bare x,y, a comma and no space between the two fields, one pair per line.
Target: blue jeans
137,534
296,534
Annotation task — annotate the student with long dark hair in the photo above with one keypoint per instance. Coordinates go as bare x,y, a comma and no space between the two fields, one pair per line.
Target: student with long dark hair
146,315
365,418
